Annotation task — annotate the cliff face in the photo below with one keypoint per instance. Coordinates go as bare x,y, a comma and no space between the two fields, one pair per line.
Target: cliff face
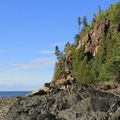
91,41
94,56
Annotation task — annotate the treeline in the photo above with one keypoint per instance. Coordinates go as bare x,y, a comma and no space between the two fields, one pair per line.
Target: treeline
102,67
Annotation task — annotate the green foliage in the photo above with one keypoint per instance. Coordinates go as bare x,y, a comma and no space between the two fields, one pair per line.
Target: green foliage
79,23
60,65
67,46
107,60
85,30
86,27
69,50
58,53
84,22
100,11
79,65
100,14
59,68
82,67
77,38
106,64
114,57
113,13
77,58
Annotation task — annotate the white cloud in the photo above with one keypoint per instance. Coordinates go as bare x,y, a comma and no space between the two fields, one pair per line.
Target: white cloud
46,52
3,51
22,81
45,60
35,63
25,66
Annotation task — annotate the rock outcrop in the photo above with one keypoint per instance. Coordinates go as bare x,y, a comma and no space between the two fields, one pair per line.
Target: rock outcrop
41,91
73,103
91,40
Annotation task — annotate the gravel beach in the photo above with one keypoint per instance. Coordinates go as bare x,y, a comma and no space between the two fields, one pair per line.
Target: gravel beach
4,105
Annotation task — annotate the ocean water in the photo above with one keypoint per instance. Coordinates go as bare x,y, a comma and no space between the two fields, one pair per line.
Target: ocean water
13,93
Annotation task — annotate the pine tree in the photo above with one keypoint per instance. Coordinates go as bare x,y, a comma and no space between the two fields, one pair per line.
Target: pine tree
84,22
79,23
58,53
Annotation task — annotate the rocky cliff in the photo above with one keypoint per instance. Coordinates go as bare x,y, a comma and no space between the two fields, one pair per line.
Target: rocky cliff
94,55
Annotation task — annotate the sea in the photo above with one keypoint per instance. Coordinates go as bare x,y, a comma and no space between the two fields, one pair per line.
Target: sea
13,93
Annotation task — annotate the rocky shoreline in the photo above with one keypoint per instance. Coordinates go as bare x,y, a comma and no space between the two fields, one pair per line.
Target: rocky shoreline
5,103
72,103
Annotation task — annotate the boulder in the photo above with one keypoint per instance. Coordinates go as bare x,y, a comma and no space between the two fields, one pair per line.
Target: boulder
42,91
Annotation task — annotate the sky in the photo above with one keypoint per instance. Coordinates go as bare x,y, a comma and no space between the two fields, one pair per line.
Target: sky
29,31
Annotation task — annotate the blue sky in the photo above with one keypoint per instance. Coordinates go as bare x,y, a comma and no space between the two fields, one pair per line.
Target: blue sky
29,30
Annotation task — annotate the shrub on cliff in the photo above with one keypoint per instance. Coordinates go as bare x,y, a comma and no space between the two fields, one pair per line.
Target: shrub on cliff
105,65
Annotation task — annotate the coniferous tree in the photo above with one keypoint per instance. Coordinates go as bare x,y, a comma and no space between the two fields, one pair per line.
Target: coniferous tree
77,37
100,11
79,23
84,22
67,46
58,53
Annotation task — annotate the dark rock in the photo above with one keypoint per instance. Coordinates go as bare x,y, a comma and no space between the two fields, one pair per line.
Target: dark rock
108,87
75,103
47,85
78,115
